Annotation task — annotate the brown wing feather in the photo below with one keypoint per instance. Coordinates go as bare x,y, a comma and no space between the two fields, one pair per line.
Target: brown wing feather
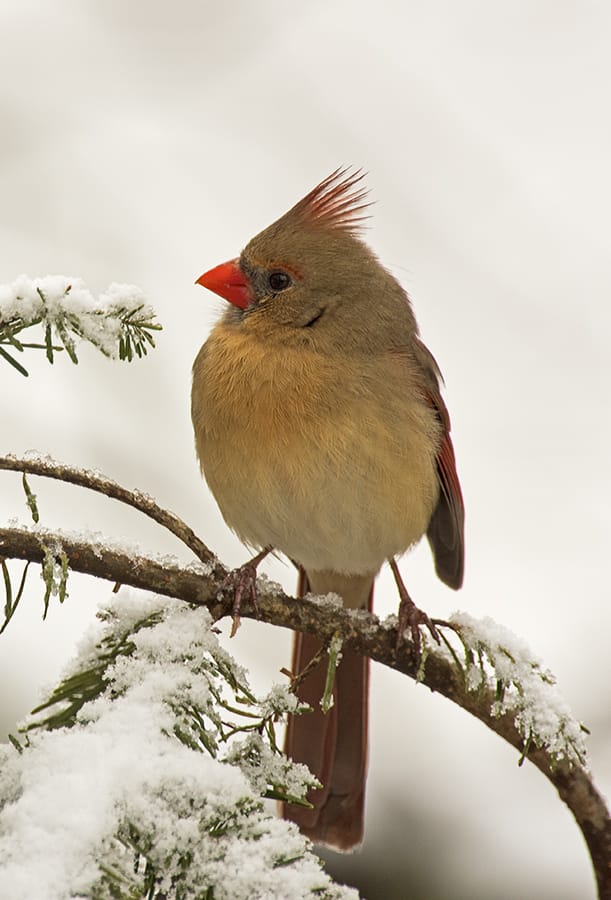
446,531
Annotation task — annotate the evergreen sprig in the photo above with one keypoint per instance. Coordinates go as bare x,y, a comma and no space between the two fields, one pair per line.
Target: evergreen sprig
232,710
119,326
136,336
178,825
495,661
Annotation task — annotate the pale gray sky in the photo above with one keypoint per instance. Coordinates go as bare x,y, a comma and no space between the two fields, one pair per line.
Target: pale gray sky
145,142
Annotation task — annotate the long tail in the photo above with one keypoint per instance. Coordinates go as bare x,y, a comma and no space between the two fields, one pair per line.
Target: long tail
333,746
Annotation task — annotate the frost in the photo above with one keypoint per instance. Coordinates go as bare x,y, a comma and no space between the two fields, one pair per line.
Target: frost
261,765
330,600
54,573
499,661
148,775
269,586
279,700
101,543
198,567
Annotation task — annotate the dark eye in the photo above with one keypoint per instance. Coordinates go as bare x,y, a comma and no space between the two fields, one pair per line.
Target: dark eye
279,281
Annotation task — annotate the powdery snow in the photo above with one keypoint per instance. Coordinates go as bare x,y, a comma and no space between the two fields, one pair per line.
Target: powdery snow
67,304
504,663
74,793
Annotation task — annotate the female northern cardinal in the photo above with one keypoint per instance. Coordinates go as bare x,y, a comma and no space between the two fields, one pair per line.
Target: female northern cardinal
322,433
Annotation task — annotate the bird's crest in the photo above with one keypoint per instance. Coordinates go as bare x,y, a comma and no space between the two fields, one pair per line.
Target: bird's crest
337,202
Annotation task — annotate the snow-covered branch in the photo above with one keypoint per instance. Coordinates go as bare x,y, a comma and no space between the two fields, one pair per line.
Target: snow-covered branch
34,464
480,665
529,714
118,323
85,812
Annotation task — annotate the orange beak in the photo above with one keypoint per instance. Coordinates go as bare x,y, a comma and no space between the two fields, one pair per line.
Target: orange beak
229,282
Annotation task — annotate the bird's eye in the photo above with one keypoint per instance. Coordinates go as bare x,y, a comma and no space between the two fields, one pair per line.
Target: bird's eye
279,281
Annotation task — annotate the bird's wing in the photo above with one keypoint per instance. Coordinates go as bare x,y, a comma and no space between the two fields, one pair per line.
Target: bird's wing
446,528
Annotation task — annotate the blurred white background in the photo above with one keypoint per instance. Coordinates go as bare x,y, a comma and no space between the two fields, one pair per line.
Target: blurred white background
145,142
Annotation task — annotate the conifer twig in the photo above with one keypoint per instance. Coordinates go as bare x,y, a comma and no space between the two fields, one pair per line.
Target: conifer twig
362,633
119,323
49,468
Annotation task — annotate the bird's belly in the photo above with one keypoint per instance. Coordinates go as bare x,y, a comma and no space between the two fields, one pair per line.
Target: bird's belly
348,522
336,483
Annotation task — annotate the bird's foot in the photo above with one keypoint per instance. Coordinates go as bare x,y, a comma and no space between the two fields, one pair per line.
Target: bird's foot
243,582
410,616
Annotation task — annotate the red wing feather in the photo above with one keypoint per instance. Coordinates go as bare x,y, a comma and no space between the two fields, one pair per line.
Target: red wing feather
446,528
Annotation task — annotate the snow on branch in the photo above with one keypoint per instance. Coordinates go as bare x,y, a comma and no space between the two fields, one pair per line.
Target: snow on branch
502,665
118,323
146,770
481,666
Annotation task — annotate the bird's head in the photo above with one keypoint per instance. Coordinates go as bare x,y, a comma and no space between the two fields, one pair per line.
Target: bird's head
306,278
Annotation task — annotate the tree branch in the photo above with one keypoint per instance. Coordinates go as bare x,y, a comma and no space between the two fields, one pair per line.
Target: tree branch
48,468
361,632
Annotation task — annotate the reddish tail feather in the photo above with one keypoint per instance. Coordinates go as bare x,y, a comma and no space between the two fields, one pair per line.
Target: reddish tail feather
333,746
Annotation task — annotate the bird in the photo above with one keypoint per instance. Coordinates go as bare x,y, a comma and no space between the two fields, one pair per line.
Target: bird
322,433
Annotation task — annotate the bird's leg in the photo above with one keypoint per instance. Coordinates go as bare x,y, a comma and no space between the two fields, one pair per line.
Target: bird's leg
410,616
243,582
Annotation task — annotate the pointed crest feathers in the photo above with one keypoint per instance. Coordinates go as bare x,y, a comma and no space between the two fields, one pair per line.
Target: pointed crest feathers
339,201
